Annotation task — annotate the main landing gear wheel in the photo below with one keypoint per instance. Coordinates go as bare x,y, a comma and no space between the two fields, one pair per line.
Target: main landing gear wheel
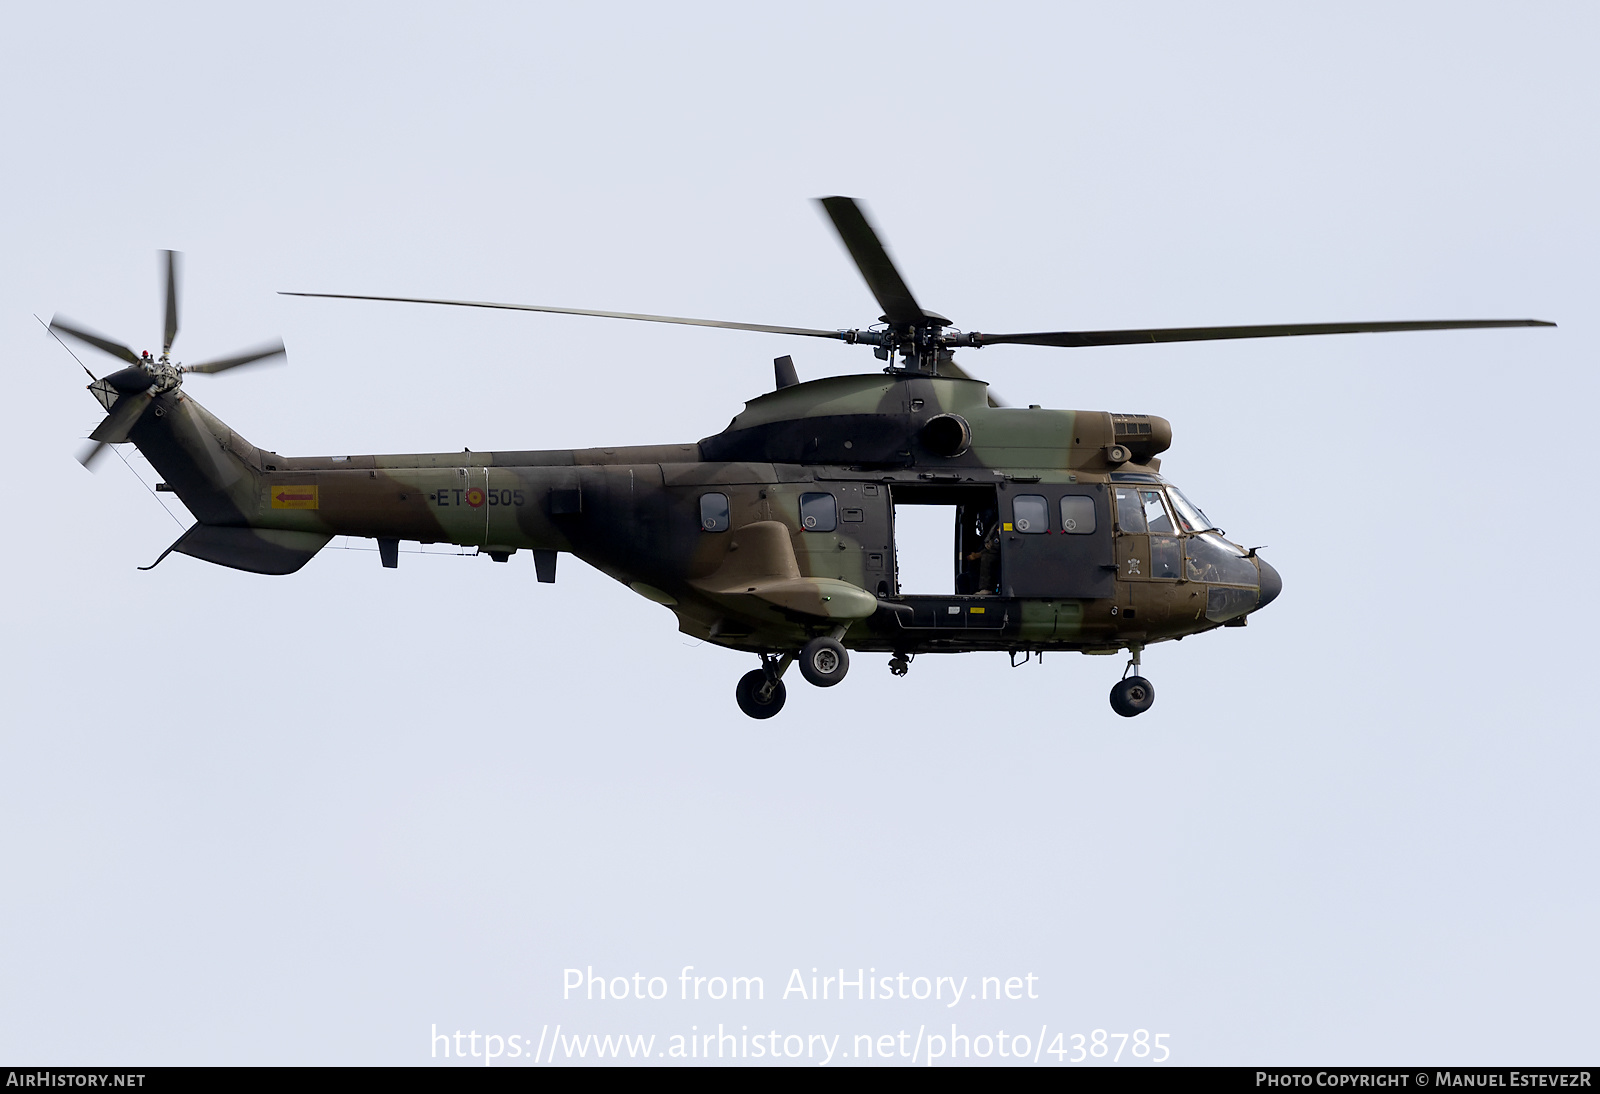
759,695
1132,696
823,661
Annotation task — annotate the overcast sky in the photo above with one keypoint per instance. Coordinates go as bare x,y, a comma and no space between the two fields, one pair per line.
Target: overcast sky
308,819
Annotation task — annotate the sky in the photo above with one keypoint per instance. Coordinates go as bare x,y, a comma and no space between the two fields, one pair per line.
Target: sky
320,819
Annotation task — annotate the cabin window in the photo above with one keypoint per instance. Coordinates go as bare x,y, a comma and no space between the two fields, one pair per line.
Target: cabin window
819,512
1030,514
1077,515
714,512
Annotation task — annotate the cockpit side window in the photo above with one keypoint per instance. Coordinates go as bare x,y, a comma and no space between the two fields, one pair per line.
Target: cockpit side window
1166,557
1155,511
714,512
1130,513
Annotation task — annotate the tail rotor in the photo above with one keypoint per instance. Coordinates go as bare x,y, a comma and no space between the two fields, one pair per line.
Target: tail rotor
128,393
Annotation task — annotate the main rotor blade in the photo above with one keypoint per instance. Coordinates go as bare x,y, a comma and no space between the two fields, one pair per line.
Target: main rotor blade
222,364
171,331
98,341
1202,334
808,332
872,259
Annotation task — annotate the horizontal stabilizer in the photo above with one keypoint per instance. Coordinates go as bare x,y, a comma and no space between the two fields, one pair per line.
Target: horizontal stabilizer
257,550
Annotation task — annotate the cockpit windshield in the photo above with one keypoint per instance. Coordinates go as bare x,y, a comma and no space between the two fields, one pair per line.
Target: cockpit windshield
1190,518
1214,559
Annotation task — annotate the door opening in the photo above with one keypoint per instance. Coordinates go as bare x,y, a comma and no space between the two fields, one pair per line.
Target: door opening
922,549
947,541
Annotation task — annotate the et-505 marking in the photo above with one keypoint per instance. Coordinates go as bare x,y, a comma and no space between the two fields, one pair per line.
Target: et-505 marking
475,498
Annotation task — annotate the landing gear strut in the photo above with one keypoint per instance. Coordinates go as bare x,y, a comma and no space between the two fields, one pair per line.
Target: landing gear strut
761,692
1133,695
823,662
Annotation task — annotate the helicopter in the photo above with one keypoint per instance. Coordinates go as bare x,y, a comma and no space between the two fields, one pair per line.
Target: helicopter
777,536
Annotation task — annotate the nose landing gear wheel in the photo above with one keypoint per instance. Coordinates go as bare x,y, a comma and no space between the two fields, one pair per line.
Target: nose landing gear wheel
1132,696
760,696
823,661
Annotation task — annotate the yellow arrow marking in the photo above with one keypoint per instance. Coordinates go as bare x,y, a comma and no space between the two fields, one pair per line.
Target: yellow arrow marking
294,497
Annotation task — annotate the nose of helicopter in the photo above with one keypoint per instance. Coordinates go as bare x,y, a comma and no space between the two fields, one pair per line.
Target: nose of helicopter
1271,583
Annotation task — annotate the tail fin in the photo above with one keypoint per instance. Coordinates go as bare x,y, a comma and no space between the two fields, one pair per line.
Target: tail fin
217,474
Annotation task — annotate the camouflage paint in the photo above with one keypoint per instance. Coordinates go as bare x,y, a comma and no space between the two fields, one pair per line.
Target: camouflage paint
764,585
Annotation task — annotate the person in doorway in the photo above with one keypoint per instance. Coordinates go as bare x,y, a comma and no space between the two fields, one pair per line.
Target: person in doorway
987,556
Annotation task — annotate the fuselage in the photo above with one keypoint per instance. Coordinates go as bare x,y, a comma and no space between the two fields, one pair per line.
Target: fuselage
1065,535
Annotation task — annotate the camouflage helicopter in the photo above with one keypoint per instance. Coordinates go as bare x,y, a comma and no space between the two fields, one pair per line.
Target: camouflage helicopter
777,536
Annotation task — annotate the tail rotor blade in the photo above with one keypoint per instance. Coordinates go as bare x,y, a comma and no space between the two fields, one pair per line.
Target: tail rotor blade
249,357
90,338
91,452
124,415
171,259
